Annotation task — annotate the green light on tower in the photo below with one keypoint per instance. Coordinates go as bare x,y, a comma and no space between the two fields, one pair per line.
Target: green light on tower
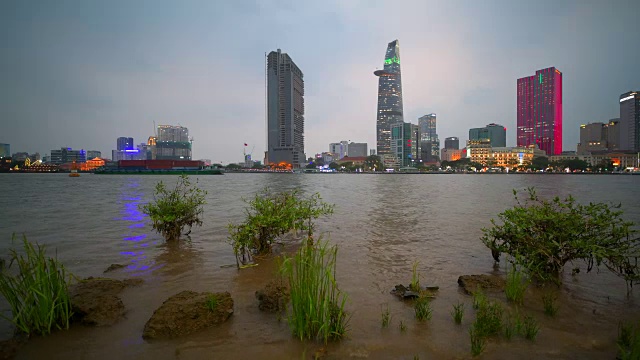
392,60
540,78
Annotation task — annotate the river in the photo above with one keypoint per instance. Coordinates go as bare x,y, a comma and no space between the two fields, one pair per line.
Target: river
382,224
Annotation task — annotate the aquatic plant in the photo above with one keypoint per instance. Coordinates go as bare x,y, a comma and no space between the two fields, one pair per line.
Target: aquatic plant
543,235
415,278
271,215
317,305
516,285
174,209
403,326
549,303
509,328
212,302
422,308
38,294
457,312
385,317
478,342
488,319
479,298
530,327
628,342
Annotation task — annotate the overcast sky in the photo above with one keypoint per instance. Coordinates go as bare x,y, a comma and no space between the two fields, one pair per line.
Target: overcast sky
82,73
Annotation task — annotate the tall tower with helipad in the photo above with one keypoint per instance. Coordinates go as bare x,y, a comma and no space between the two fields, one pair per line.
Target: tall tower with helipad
389,97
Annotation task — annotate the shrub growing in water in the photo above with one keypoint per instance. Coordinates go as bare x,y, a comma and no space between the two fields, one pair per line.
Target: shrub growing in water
38,294
544,235
317,305
173,210
271,215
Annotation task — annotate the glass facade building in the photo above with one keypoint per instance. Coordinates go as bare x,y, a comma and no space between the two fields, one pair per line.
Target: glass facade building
539,111
389,98
429,138
172,143
405,139
285,111
630,121
496,134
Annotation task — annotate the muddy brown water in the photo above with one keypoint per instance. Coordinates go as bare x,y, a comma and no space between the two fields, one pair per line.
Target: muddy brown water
382,224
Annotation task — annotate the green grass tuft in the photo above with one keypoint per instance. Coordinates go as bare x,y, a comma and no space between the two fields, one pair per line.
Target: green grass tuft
317,305
458,312
628,342
403,327
38,294
422,308
212,303
550,306
488,319
478,342
479,299
415,278
516,285
530,327
385,317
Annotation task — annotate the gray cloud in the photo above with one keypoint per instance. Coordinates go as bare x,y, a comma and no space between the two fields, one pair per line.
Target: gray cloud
82,73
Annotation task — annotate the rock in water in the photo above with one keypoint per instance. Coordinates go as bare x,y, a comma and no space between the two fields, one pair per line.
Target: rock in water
274,296
94,301
472,283
188,312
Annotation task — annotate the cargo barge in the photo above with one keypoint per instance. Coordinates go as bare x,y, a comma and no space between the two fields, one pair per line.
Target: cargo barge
159,167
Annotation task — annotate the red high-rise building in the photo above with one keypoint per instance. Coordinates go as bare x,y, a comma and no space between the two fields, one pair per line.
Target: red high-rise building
540,111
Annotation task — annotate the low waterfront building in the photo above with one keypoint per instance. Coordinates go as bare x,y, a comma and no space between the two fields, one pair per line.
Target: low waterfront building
450,154
478,150
67,155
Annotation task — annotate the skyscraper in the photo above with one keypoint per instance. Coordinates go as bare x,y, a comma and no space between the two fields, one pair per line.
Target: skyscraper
496,134
404,143
389,98
539,110
452,143
124,143
630,121
173,143
429,137
285,111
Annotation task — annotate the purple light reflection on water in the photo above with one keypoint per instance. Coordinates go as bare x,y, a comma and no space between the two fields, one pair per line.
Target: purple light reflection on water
136,239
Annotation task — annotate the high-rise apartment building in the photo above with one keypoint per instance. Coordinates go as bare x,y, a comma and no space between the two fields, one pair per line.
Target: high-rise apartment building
405,140
172,143
5,150
285,111
630,121
539,111
389,98
598,137
124,143
613,134
429,138
496,134
339,149
452,143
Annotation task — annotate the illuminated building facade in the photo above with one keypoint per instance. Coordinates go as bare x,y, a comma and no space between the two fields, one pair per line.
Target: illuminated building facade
390,110
630,121
67,155
539,111
285,112
479,150
450,154
124,143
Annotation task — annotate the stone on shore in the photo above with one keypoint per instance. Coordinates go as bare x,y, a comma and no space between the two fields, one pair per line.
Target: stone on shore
188,312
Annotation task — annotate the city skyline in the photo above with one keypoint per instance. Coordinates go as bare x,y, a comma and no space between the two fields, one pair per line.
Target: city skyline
81,75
